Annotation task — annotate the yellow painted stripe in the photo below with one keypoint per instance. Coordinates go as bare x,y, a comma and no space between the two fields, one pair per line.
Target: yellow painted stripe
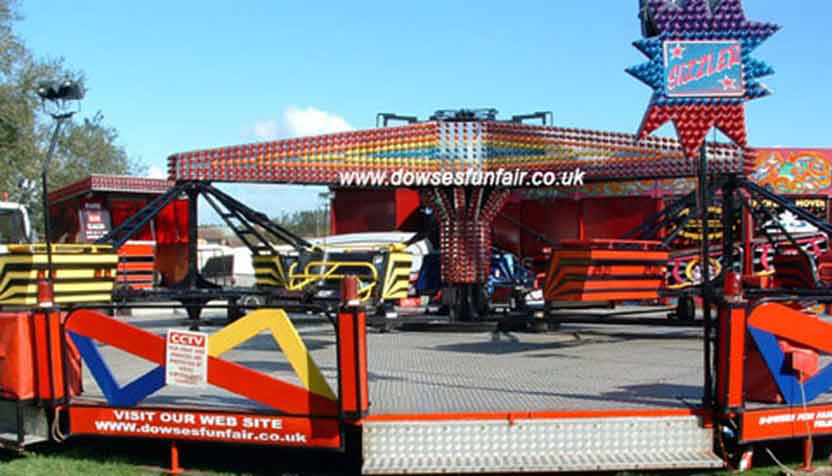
9,294
76,287
103,259
287,338
61,277
26,293
83,298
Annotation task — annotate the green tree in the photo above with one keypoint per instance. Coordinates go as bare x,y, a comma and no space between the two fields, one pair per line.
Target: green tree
90,147
86,145
307,223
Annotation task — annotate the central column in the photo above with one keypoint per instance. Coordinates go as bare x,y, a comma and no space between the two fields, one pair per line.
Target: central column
466,218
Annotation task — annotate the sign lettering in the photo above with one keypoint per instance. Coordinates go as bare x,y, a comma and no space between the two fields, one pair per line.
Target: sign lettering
703,68
186,358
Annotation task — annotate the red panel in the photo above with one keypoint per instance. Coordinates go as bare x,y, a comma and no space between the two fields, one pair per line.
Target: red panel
128,338
793,325
16,359
31,361
758,384
121,209
408,217
555,219
611,217
615,413
787,422
172,224
267,390
583,273
356,211
222,373
136,264
45,384
352,362
731,356
364,210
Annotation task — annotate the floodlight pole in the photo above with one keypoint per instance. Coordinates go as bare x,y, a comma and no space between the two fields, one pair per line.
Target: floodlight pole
704,267
60,94
47,225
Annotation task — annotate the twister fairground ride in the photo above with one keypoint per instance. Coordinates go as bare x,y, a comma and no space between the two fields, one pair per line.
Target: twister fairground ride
306,277
488,410
449,143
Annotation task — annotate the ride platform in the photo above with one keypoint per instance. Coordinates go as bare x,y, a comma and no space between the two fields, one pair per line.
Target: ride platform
588,397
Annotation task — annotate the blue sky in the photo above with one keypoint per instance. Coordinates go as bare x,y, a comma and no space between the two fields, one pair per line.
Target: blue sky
175,76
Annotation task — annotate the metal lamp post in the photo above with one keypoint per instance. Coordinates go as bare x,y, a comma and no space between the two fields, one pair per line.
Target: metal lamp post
60,100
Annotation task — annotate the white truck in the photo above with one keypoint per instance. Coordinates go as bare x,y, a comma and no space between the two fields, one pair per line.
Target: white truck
15,227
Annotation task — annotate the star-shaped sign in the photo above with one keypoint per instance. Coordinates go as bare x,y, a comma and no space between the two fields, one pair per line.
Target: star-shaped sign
678,51
702,88
728,84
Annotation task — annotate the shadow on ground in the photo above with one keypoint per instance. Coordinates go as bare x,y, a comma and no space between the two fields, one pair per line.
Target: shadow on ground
149,457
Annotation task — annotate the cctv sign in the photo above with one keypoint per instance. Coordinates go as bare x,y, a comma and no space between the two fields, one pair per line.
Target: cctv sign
186,358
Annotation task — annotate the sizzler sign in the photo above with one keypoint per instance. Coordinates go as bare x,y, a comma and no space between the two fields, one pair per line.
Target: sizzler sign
703,68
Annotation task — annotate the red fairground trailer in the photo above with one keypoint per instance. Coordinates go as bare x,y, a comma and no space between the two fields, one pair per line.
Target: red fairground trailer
591,399
84,211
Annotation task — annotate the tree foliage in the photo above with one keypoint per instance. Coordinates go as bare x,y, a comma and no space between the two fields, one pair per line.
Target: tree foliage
86,145
308,223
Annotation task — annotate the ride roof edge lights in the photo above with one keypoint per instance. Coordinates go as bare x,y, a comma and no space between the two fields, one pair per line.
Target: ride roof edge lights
453,146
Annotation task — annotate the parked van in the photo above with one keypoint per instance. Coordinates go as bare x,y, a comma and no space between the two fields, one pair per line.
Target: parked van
231,267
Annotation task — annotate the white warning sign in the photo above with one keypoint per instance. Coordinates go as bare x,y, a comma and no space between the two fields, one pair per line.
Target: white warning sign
186,358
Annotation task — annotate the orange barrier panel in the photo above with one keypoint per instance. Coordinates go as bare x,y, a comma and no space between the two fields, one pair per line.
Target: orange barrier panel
605,270
16,361
31,360
352,360
731,353
352,353
136,264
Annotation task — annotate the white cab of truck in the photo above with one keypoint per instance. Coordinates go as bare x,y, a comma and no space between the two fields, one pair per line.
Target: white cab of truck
14,225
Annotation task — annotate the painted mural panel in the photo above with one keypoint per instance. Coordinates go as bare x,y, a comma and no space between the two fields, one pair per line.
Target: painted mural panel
794,171
790,171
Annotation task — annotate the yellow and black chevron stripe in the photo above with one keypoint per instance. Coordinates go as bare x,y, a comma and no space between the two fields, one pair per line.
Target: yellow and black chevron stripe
383,274
83,273
269,271
397,274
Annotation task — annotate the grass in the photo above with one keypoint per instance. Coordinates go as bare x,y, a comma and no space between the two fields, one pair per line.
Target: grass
94,457
68,463
143,458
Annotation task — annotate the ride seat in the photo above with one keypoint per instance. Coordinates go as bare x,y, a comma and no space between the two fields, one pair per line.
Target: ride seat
825,268
796,270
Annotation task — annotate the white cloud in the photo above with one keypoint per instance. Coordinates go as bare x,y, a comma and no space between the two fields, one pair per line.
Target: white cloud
312,121
157,172
266,130
298,122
